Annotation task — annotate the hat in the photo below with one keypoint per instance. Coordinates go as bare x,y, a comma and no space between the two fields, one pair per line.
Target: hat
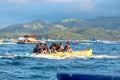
42,42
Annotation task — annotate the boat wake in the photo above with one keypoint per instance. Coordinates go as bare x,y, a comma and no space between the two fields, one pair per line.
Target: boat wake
28,55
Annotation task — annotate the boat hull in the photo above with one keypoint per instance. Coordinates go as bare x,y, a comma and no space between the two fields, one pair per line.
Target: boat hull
86,53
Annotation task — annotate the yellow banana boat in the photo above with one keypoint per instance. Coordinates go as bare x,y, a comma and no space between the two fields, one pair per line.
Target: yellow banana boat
86,53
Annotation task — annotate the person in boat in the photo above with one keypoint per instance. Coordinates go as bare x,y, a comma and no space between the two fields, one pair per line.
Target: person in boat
59,47
40,48
67,47
52,48
36,49
45,48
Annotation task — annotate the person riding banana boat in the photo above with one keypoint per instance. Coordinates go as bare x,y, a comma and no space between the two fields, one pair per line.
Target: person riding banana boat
54,48
67,47
57,50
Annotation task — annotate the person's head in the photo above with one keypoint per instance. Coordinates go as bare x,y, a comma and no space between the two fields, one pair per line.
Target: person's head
40,43
45,44
37,45
60,43
54,44
67,43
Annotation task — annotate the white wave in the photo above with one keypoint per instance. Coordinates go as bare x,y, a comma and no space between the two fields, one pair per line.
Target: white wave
1,56
12,56
85,43
57,57
104,56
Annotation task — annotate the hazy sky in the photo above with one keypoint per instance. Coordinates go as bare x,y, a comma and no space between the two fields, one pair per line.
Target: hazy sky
21,11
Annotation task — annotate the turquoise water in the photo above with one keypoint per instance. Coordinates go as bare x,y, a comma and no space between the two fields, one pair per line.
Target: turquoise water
105,59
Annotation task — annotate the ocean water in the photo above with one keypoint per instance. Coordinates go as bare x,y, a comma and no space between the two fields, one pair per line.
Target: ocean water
16,65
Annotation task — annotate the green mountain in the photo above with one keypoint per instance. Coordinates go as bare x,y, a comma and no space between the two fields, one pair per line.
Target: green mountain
104,28
38,27
98,33
31,27
86,34
110,23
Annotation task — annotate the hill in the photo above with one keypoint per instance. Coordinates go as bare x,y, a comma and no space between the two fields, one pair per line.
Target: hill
86,34
104,28
110,23
31,27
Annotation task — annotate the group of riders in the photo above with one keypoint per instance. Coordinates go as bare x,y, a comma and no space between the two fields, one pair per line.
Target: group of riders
43,48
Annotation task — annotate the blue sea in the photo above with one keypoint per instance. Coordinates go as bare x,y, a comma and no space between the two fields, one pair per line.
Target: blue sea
15,64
